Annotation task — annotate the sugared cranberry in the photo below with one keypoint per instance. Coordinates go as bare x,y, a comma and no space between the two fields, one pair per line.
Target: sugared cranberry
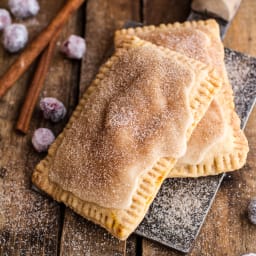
53,109
5,19
74,47
42,139
15,37
24,8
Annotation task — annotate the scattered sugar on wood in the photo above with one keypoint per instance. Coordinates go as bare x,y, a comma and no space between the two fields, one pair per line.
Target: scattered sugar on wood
28,220
78,235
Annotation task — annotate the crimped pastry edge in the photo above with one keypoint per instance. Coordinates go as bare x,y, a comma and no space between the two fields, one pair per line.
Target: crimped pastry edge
220,163
211,23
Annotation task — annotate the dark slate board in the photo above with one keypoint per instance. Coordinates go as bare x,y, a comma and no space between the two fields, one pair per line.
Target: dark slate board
179,210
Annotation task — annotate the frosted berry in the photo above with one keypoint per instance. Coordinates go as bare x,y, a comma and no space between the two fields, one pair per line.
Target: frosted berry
74,47
5,19
53,109
24,8
252,211
42,139
15,37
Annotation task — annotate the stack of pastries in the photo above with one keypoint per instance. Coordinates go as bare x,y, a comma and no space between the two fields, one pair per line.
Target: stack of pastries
160,107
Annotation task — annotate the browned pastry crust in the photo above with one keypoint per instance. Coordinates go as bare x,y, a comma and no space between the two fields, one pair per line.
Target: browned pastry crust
122,219
217,144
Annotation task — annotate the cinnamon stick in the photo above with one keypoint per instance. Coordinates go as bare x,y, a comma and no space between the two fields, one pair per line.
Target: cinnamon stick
36,86
33,50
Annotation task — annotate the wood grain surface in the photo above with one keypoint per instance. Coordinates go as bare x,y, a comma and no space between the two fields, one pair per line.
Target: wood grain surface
29,222
33,224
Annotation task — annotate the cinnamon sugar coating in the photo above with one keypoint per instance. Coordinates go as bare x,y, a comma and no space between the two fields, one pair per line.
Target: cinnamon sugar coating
217,132
198,40
137,114
201,43
123,128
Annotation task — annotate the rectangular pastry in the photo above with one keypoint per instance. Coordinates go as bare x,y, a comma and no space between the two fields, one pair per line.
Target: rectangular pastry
217,144
127,132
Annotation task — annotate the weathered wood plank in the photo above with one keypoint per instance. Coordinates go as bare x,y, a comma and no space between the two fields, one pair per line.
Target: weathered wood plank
226,230
80,237
242,33
102,19
165,11
29,222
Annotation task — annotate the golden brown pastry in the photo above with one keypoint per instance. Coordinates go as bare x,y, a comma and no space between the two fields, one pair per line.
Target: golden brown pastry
217,144
126,134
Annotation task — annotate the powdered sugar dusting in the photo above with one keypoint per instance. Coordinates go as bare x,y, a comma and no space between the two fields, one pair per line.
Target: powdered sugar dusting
107,151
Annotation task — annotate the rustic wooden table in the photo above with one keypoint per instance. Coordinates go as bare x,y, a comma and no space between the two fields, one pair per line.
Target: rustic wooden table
32,224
